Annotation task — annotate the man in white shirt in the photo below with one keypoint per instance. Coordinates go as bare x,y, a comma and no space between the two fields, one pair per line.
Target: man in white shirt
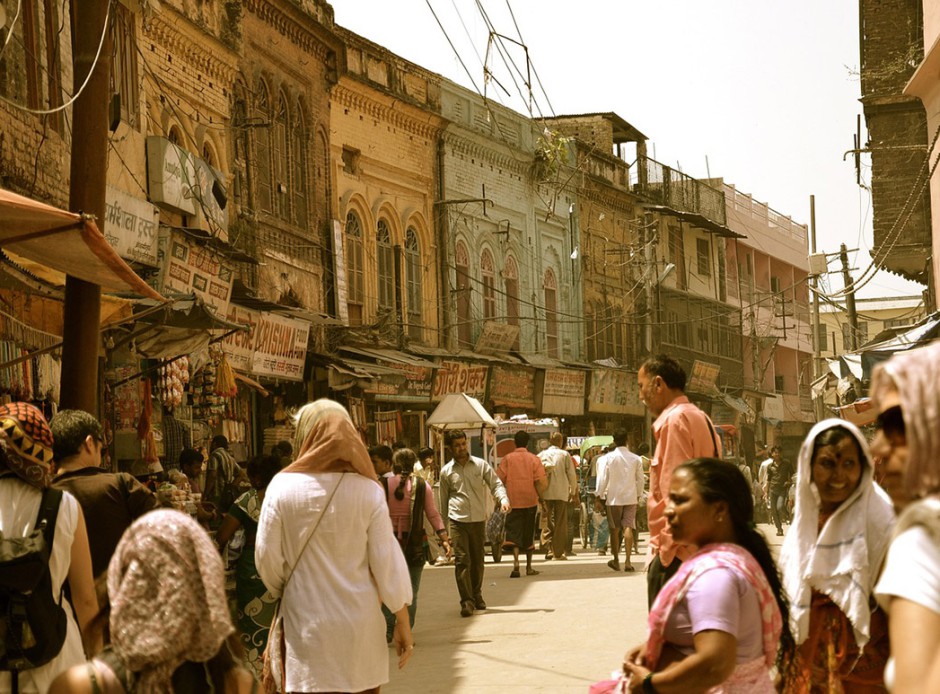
620,483
562,489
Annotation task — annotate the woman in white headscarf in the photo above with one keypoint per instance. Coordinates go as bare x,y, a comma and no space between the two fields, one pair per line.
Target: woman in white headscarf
905,392
830,559
325,546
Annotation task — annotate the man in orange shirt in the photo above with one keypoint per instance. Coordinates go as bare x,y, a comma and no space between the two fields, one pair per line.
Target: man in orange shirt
524,477
682,432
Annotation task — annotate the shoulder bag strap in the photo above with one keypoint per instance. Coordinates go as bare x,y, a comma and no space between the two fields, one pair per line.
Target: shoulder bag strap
711,430
310,536
49,512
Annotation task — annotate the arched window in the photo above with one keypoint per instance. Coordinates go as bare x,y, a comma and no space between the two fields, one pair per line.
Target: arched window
488,271
511,280
265,185
354,271
298,158
175,137
242,168
462,258
620,351
385,262
413,283
281,158
550,286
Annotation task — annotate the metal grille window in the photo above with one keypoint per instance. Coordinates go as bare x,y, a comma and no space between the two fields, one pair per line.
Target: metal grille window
298,158
488,271
262,159
413,283
281,159
703,257
354,269
511,278
385,261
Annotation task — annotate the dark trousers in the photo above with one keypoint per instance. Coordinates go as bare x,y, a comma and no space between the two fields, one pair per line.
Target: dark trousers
468,539
557,511
414,570
778,508
658,575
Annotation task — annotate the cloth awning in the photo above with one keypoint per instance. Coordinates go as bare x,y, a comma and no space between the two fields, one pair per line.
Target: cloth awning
390,356
459,411
65,241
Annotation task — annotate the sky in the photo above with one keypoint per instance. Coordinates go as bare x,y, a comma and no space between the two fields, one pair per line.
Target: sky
761,93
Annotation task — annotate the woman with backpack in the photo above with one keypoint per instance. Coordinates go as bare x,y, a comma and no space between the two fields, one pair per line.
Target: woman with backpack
410,500
43,544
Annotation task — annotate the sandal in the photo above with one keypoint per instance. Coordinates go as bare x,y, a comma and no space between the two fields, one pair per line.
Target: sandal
532,572
514,574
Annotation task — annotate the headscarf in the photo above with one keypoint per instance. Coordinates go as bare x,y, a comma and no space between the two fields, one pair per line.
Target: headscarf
26,443
916,375
166,585
843,559
330,441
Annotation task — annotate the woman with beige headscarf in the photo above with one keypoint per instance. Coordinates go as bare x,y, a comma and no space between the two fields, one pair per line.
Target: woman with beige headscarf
325,546
905,392
168,618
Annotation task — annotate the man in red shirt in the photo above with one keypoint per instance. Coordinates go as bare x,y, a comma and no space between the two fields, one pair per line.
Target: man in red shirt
682,432
524,477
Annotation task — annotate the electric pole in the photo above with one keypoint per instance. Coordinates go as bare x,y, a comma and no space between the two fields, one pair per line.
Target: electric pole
818,403
849,300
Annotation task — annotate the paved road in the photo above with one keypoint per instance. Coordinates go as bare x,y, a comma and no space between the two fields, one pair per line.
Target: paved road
557,632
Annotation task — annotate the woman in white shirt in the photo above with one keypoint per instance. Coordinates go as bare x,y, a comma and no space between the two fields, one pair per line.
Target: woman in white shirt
325,546
905,391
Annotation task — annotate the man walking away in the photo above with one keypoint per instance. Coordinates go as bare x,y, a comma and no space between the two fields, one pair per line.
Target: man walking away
464,481
620,484
682,432
775,488
562,488
524,477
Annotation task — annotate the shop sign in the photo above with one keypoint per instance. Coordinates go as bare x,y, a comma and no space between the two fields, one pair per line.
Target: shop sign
703,377
563,392
131,226
191,268
239,346
460,377
512,386
171,173
210,215
280,347
413,384
496,337
615,392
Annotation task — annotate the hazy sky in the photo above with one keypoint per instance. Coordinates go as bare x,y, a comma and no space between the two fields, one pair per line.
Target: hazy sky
766,90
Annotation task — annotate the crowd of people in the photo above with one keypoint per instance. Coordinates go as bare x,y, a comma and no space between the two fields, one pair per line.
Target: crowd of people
331,540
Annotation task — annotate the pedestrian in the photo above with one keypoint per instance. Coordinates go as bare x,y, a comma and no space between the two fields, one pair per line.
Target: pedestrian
325,547
110,501
524,478
620,486
254,605
411,502
721,621
766,460
381,457
779,474
222,478
284,451
464,482
906,396
26,451
561,490
168,619
682,432
830,561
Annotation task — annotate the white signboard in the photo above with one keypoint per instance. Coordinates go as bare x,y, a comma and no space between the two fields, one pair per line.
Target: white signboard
239,346
189,267
280,347
171,172
131,226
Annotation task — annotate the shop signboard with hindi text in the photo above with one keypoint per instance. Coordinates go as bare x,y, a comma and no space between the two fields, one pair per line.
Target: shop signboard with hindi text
131,226
460,377
239,346
512,386
193,268
412,384
563,392
615,392
280,347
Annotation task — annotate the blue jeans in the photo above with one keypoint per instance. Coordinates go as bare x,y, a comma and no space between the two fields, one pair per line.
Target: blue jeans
415,573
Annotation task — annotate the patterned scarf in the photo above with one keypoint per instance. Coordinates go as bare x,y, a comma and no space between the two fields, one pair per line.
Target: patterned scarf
726,556
167,589
26,443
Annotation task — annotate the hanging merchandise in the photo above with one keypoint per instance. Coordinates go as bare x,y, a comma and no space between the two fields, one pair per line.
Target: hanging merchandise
225,385
145,428
387,426
207,406
172,378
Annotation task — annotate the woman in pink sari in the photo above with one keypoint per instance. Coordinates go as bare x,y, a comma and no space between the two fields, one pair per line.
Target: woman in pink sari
720,624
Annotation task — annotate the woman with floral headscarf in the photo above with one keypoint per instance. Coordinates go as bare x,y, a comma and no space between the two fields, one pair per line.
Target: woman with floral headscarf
325,546
830,561
25,474
905,391
169,621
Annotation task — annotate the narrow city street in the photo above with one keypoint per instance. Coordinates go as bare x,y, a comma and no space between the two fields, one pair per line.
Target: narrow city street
559,631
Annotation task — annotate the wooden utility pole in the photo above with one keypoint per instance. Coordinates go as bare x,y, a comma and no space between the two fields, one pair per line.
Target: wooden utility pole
849,299
88,180
818,403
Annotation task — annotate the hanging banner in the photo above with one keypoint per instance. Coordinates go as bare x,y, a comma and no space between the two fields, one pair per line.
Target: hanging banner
192,268
131,226
615,392
563,392
413,384
280,347
239,346
460,377
512,386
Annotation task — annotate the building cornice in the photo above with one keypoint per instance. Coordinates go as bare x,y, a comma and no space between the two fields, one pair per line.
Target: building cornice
355,99
291,28
473,147
208,56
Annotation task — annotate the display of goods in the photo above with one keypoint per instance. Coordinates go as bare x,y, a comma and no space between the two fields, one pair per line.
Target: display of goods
225,385
171,381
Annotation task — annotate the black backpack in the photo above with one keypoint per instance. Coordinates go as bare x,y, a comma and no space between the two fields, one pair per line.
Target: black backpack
32,622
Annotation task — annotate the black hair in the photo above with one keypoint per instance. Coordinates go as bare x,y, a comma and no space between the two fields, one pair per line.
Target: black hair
719,480
381,452
218,441
425,452
643,448
831,437
668,369
283,448
69,430
263,468
521,438
190,455
404,459
454,435
620,436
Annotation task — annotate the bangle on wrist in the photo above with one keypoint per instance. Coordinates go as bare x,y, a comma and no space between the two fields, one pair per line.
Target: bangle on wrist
648,687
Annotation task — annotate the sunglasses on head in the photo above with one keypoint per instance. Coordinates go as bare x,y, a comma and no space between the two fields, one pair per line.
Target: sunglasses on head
891,422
